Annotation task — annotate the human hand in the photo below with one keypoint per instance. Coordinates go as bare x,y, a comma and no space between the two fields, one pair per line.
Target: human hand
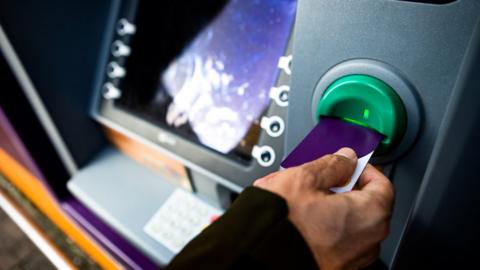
343,230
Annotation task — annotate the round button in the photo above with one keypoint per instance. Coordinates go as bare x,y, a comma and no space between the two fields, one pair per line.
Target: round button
280,95
119,49
284,63
274,125
114,70
109,91
283,96
264,154
124,27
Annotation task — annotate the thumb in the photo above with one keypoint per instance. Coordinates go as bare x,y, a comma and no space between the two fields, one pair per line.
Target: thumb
333,170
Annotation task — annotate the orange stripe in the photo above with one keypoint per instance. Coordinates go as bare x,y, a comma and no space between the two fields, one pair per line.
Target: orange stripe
43,200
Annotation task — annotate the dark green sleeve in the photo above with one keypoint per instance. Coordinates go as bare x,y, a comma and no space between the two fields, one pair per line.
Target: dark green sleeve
253,234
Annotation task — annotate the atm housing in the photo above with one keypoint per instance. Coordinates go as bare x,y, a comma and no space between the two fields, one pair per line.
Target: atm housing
430,50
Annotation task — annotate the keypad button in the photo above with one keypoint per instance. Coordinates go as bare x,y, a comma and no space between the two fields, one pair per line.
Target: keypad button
180,219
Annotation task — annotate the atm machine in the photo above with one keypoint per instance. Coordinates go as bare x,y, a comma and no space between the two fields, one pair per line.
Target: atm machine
408,69
213,96
203,85
395,66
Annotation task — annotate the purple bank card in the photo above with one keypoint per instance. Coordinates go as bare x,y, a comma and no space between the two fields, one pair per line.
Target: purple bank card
329,135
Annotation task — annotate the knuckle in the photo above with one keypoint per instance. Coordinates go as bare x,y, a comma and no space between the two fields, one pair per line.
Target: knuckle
333,159
306,173
339,163
388,190
384,199
332,162
386,202
382,208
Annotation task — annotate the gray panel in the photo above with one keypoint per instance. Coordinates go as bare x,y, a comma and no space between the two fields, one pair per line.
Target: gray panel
125,195
426,43
444,222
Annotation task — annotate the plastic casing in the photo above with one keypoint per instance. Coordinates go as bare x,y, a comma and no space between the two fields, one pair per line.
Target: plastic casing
418,45
366,101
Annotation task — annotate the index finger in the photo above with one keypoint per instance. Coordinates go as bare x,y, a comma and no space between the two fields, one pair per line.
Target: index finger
373,181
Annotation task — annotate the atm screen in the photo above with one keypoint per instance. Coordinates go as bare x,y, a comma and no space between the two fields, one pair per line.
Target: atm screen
215,89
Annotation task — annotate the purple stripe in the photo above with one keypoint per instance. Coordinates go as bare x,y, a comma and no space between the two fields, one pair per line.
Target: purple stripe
112,241
13,145
328,136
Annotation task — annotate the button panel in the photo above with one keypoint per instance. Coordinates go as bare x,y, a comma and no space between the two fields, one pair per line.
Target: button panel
180,219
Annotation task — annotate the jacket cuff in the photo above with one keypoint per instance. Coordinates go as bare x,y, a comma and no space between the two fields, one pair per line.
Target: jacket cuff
280,239
231,238
284,241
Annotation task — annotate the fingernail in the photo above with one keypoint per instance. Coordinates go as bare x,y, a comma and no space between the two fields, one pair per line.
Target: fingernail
347,152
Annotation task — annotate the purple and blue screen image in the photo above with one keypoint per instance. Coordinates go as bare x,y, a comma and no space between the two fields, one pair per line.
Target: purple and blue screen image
220,84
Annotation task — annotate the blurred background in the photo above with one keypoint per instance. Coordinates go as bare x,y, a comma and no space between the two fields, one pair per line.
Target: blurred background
17,251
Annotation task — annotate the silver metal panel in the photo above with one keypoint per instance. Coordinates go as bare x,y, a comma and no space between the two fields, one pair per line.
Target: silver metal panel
125,195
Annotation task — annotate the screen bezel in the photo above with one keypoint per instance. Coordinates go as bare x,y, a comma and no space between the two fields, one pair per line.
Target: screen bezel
230,173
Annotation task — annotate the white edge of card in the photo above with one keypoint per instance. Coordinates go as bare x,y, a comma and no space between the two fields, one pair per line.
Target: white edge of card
361,164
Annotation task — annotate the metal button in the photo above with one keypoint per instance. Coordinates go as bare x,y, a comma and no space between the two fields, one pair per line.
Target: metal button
280,95
284,64
124,27
114,70
265,155
119,49
274,125
109,91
